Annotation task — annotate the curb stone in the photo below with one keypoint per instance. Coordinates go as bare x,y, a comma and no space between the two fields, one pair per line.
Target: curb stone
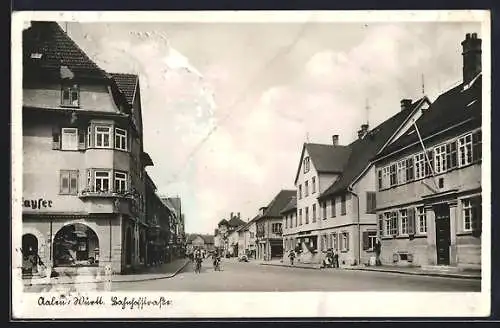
290,266
429,274
167,276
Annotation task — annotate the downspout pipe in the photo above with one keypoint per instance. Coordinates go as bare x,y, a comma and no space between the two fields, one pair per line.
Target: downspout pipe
349,189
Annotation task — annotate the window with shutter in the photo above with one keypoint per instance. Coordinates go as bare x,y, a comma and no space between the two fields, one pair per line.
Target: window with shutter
64,182
56,138
393,175
81,139
451,155
411,221
409,169
366,240
73,182
476,146
69,139
370,202
346,241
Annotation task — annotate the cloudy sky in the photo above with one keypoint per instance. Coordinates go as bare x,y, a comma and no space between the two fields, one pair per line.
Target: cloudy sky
227,106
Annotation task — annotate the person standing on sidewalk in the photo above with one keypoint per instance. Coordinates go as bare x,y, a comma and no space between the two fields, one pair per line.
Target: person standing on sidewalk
378,250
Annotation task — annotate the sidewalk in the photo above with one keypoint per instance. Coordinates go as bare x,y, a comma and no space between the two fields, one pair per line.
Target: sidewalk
287,264
167,270
463,274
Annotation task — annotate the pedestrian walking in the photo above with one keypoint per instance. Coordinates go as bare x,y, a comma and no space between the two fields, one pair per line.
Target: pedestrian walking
291,255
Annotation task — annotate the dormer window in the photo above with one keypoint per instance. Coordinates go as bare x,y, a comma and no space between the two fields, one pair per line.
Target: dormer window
70,96
307,164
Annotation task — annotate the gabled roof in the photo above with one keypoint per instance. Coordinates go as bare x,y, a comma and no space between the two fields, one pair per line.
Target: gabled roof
127,83
450,108
207,239
291,206
223,222
278,203
325,158
236,222
56,49
363,150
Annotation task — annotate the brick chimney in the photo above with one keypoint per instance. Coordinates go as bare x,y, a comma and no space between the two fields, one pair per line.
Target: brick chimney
406,104
471,54
231,216
335,139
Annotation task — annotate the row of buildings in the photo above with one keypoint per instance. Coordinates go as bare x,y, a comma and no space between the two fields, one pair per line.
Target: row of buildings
413,182
87,197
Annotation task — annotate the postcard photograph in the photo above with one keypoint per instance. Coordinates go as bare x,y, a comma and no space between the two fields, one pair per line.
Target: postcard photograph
250,164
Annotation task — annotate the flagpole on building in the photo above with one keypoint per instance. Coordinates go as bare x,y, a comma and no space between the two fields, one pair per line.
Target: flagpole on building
428,162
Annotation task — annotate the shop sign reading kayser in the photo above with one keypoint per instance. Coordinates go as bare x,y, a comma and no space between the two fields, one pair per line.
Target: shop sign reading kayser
37,204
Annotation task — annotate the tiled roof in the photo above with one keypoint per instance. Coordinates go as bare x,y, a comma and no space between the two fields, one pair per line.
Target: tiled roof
363,150
292,205
207,239
278,203
450,108
223,222
326,158
56,49
127,84
236,222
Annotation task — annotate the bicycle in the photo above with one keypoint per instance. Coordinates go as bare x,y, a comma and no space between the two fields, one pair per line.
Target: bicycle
197,267
217,265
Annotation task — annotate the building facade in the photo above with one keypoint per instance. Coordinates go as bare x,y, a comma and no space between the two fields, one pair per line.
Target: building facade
159,218
289,214
429,179
269,227
336,192
226,237
83,160
205,242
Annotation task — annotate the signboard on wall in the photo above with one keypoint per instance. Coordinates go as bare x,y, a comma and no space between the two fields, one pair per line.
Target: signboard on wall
37,204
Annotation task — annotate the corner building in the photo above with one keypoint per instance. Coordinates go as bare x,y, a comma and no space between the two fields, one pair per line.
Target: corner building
83,159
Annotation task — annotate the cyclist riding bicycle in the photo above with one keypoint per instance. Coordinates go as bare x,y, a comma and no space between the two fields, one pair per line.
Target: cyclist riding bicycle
198,259
216,261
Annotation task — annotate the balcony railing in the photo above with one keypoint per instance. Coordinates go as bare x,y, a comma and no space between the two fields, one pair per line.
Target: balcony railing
92,192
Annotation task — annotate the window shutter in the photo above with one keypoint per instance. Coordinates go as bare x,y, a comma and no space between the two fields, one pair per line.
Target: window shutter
366,240
56,138
477,218
379,179
81,139
347,241
380,225
411,221
73,182
64,182
476,146
395,220
409,169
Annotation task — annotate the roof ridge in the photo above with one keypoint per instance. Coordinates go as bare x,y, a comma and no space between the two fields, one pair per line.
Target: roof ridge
83,53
